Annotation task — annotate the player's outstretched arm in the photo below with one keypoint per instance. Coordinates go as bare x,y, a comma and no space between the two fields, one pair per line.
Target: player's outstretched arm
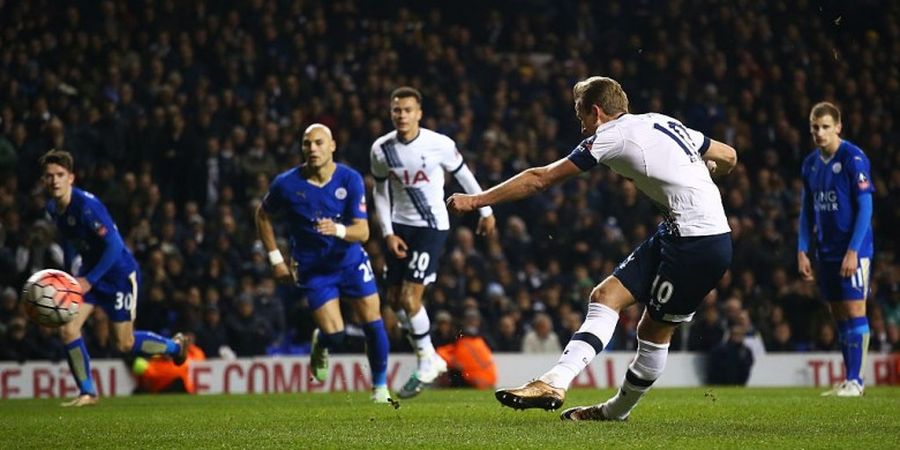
469,184
267,235
722,155
526,183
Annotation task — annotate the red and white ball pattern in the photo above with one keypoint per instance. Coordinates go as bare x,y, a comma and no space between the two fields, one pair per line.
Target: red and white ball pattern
51,297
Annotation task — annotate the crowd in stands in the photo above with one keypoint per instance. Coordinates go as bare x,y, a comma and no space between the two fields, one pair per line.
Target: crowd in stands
180,113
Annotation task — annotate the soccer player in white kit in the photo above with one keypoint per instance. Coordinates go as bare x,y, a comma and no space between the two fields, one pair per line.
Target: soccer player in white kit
408,165
669,273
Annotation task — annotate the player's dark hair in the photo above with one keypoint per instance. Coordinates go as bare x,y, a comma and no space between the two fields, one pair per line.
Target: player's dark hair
406,92
825,109
603,92
58,157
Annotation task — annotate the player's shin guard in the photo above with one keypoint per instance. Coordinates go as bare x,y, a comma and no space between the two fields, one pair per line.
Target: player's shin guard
148,343
377,348
80,366
643,371
585,344
855,346
843,329
420,328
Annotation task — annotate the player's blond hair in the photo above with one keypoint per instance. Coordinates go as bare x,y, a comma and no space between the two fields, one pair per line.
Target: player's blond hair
825,109
321,126
603,92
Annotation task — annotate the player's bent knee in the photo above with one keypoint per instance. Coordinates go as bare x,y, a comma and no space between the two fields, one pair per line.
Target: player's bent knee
653,331
610,292
69,332
124,348
124,344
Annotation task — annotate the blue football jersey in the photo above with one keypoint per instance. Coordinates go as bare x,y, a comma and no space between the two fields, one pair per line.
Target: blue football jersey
87,229
301,204
832,188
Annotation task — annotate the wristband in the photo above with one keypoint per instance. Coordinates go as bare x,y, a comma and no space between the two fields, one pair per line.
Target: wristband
275,257
340,230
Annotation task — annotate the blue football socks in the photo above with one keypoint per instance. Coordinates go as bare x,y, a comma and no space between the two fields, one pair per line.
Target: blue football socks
331,341
148,343
377,348
80,365
854,343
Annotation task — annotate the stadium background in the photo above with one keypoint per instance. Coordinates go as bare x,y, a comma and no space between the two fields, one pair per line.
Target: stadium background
178,114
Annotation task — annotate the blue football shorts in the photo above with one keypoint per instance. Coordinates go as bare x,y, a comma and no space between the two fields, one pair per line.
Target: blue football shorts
670,275
117,295
352,281
836,288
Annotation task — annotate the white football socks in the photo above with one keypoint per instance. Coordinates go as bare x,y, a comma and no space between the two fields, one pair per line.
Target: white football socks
591,338
647,366
420,329
402,319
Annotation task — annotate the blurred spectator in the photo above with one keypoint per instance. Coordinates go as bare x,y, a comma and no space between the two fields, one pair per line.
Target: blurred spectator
707,332
212,336
541,338
826,338
444,332
781,339
14,346
9,307
248,333
730,362
507,337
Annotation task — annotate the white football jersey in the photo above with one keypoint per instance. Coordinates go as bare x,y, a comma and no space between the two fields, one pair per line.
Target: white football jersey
416,173
663,158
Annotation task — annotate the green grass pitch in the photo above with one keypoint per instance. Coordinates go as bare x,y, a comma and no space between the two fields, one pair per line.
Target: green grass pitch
666,418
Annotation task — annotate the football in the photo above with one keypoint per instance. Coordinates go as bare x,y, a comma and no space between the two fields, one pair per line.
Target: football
51,297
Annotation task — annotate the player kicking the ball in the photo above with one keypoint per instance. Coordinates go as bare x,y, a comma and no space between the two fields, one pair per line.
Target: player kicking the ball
324,207
109,275
669,273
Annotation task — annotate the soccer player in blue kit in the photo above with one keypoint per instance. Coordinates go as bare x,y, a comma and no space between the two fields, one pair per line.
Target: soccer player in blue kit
109,275
837,201
323,205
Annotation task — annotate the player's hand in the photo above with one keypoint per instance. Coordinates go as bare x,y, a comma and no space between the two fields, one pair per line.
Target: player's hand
396,245
804,267
711,166
849,264
461,203
326,227
486,225
282,273
85,284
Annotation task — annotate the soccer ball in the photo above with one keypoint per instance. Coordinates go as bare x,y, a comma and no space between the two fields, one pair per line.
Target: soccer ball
51,297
